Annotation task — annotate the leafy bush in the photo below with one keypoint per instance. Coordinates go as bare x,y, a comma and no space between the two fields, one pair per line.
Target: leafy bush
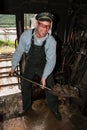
7,43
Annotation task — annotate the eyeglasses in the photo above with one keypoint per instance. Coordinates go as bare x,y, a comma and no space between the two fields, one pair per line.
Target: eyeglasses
44,26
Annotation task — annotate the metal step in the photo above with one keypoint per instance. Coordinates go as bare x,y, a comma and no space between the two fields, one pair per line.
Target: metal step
7,85
4,71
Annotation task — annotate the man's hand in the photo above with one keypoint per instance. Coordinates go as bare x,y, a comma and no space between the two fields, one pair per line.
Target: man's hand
11,72
43,83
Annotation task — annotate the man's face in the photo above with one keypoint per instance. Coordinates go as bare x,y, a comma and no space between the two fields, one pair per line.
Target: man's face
42,28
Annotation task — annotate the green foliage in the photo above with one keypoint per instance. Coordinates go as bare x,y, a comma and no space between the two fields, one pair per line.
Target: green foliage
7,43
7,21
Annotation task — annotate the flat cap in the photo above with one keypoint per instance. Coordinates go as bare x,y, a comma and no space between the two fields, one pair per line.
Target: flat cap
44,16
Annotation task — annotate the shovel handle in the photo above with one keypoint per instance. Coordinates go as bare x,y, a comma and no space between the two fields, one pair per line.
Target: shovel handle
22,77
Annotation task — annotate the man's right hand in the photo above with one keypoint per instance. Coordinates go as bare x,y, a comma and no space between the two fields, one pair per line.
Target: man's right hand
11,72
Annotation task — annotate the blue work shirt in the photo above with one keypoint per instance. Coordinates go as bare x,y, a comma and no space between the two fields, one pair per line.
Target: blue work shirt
24,46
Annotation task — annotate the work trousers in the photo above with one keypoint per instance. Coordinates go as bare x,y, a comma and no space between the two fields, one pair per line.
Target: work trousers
27,91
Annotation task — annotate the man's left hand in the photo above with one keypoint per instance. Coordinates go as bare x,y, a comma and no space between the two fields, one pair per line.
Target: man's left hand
43,82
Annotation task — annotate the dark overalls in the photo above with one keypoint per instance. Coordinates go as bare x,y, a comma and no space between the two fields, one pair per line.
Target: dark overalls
35,63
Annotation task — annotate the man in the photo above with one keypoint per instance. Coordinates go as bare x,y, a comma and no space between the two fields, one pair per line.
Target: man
40,47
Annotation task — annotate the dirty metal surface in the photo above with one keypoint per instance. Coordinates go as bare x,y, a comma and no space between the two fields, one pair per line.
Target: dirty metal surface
41,118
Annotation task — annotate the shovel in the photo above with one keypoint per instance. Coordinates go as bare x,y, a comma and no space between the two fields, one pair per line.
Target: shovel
56,90
31,81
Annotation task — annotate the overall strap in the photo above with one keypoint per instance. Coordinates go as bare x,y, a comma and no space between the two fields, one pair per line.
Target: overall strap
32,39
